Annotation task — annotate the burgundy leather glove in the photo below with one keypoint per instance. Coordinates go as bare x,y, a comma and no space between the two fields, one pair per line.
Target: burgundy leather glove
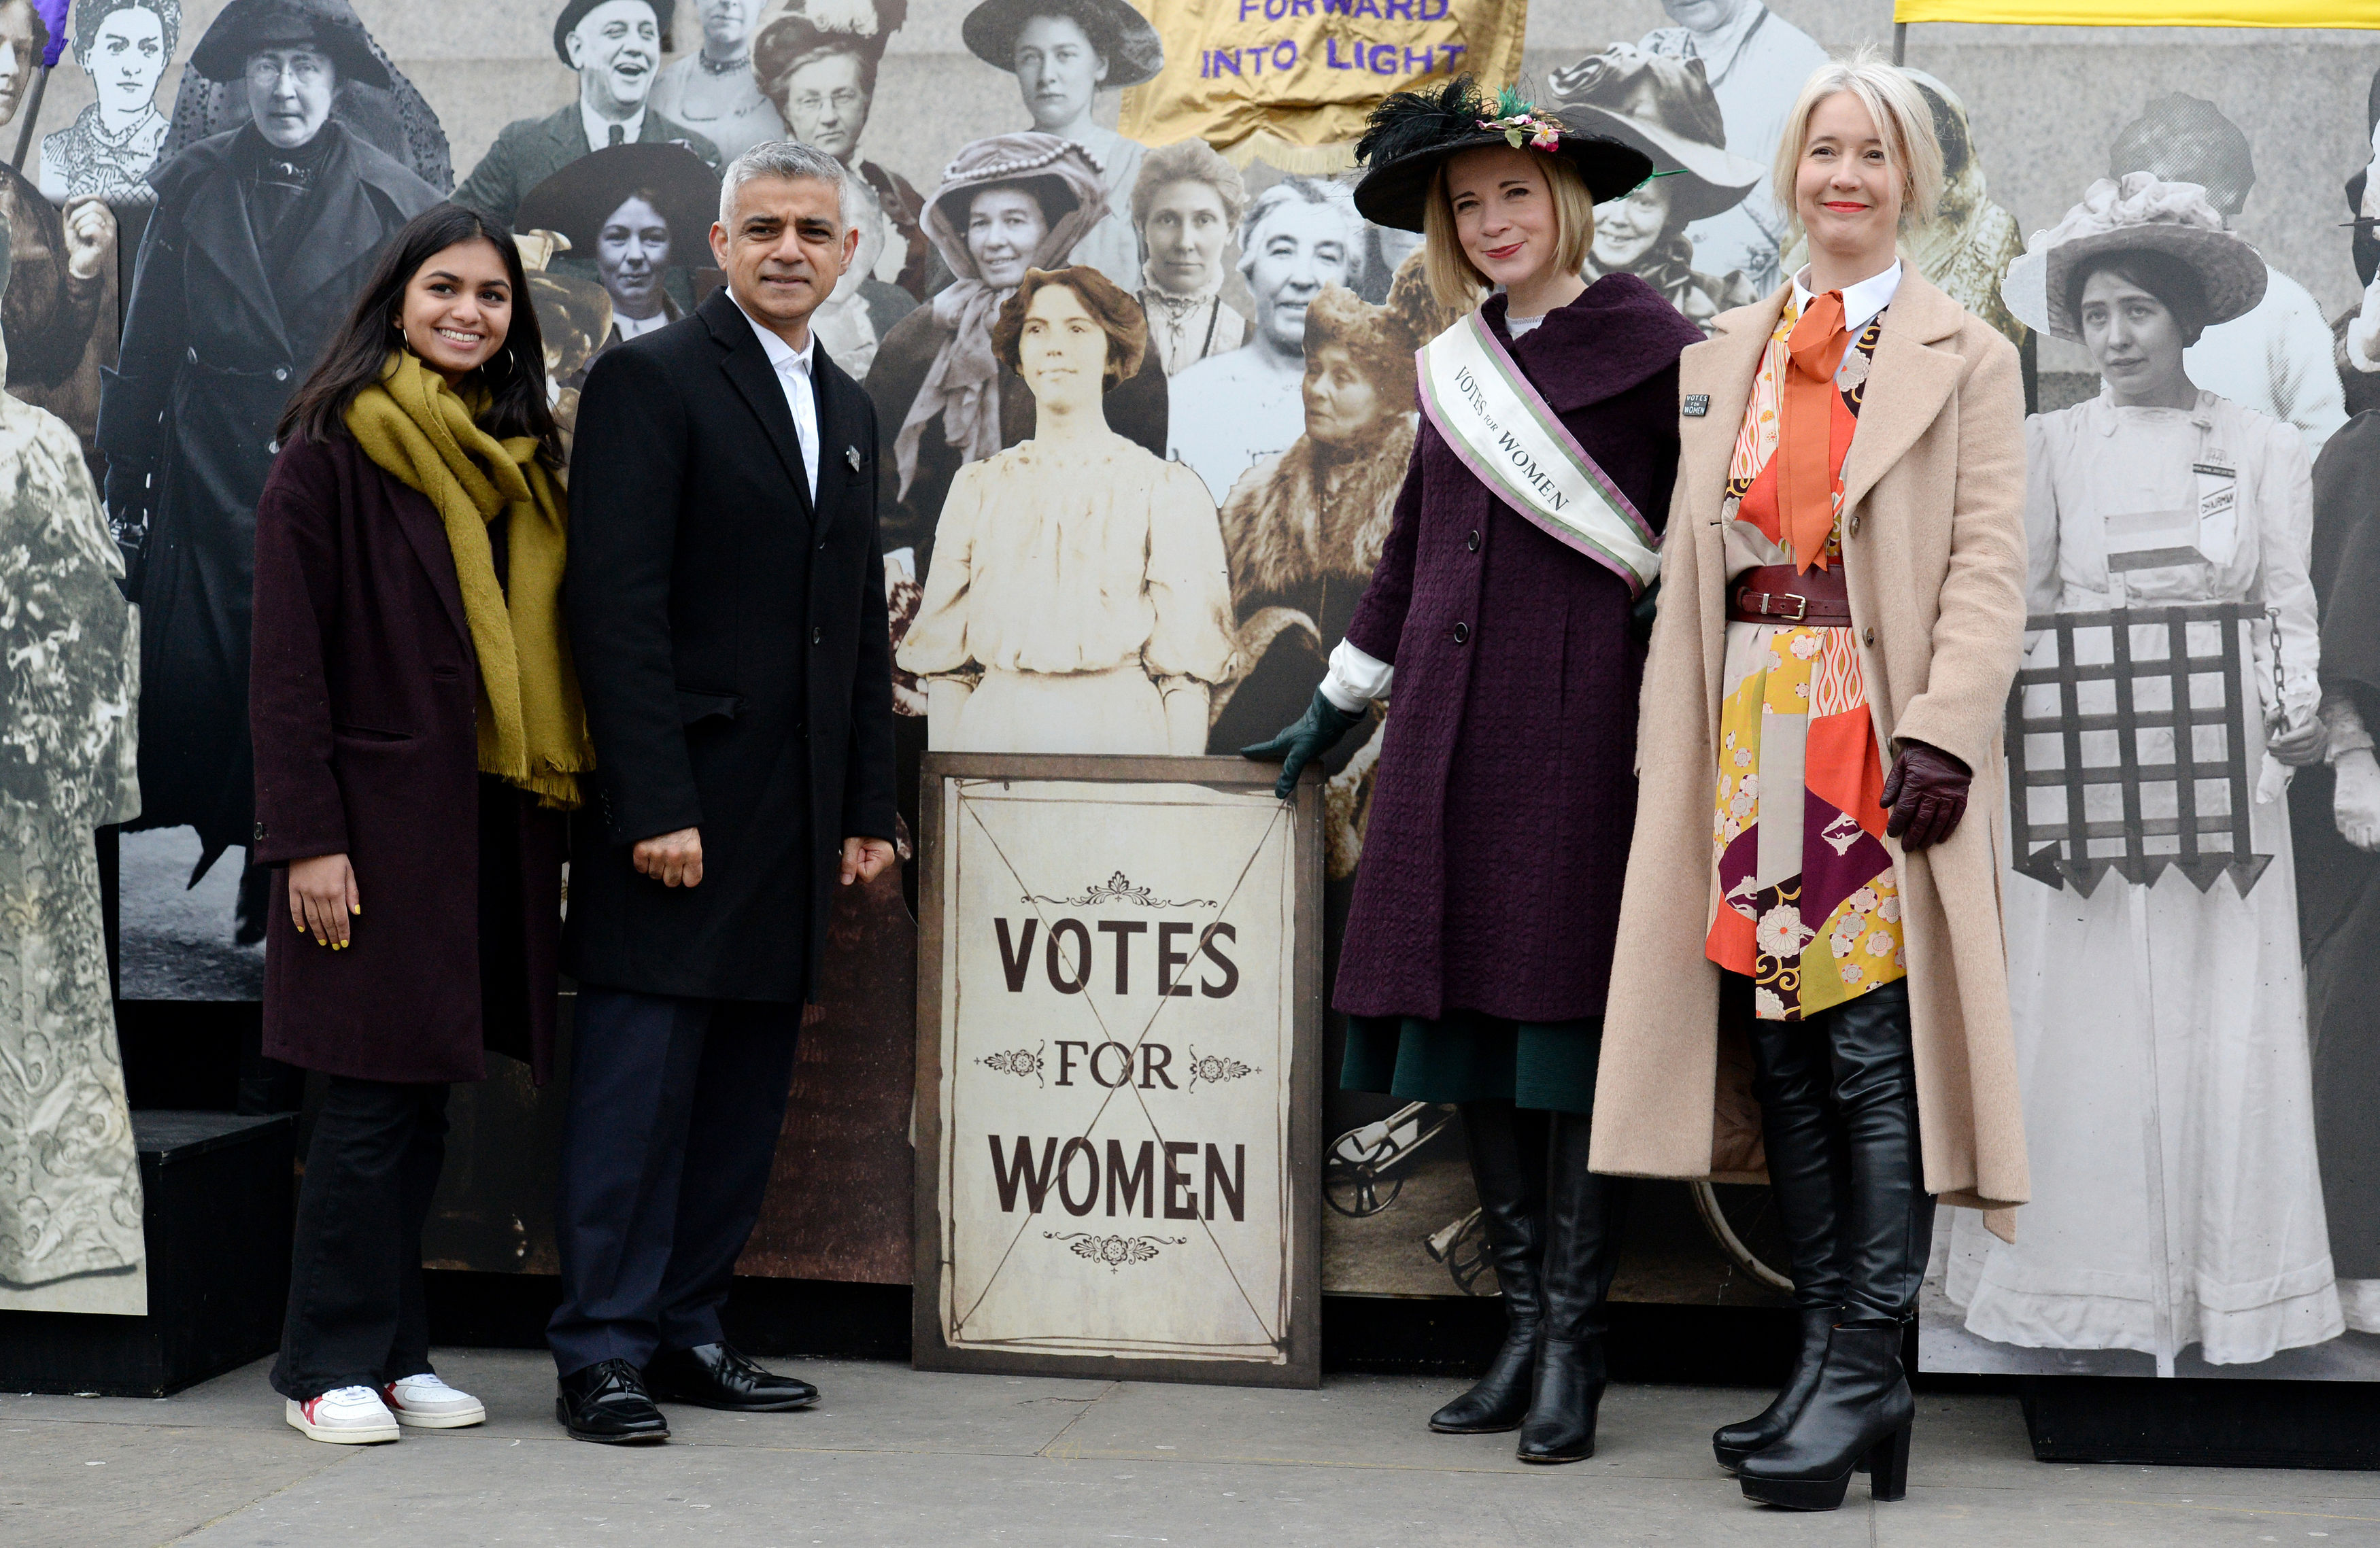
1927,794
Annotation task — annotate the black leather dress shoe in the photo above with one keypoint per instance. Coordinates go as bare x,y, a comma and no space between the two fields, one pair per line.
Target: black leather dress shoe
718,1376
607,1402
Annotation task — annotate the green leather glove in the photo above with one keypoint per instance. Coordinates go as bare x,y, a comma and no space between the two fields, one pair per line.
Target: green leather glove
1316,733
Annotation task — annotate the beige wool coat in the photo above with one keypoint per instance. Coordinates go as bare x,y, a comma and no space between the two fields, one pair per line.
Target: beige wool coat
1934,558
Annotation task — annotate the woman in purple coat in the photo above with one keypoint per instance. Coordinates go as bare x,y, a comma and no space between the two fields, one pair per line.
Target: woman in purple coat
1479,943
418,734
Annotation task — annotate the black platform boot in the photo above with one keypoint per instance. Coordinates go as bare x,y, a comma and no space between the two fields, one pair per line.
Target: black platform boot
1508,1169
1809,1176
1583,1212
1861,1413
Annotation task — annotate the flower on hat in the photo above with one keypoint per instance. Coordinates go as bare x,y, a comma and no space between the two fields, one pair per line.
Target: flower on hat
1520,124
2138,200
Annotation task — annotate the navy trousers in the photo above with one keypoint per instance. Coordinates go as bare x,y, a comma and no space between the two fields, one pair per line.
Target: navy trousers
675,1106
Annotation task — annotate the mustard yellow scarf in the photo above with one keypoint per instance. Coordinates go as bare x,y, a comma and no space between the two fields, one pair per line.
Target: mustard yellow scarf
419,431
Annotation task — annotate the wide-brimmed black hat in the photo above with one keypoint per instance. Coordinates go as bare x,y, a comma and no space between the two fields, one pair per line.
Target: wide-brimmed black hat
578,199
574,12
248,26
1664,107
1122,35
1411,133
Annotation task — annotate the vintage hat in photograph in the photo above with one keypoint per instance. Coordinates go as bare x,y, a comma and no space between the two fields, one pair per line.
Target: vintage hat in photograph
1412,132
1132,48
2139,214
247,27
578,199
791,30
1664,107
575,11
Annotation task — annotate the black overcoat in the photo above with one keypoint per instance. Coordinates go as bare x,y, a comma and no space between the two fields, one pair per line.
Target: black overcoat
730,637
213,345
363,703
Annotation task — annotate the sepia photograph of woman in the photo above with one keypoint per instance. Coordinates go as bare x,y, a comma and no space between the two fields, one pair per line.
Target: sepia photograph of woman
1077,600
418,737
1813,916
1474,972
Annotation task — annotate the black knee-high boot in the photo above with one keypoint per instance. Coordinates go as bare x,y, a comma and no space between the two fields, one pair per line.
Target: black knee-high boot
1861,1410
1508,1169
1584,1214
1809,1176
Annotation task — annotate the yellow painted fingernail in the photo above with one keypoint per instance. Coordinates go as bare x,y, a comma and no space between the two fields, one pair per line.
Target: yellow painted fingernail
355,908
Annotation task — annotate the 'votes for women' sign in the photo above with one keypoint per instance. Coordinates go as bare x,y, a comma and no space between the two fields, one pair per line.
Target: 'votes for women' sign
1118,1093
1292,80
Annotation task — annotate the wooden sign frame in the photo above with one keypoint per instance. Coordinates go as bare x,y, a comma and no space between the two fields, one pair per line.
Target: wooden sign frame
1294,1356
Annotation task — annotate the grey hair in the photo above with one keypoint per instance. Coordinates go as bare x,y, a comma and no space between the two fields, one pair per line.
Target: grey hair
1338,197
786,159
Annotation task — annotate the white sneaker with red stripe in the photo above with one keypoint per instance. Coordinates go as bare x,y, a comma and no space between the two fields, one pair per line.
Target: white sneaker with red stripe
427,1403
349,1416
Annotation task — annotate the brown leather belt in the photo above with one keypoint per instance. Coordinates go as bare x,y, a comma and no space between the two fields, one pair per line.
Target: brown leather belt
1779,594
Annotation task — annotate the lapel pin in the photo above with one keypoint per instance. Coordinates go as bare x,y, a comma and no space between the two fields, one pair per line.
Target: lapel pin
851,456
1696,404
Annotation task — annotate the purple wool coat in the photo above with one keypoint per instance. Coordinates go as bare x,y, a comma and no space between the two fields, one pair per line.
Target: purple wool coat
1506,791
364,695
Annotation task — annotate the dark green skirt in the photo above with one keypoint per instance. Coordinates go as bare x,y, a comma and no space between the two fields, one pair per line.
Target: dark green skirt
1468,1057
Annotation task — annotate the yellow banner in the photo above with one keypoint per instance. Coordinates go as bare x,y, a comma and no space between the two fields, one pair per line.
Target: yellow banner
2145,13
1292,80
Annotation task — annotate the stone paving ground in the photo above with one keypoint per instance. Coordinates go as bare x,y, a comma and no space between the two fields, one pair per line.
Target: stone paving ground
897,1457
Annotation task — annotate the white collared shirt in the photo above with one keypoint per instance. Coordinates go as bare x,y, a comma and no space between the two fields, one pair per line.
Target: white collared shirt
637,327
1861,301
598,128
792,368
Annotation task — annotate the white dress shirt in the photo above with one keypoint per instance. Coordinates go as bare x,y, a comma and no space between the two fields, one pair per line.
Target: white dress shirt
792,368
1861,301
598,128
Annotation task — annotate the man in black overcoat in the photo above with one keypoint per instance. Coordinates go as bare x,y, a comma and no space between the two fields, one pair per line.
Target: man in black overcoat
726,602
260,241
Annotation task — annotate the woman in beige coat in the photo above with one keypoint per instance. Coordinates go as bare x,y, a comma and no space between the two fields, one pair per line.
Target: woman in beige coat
1843,594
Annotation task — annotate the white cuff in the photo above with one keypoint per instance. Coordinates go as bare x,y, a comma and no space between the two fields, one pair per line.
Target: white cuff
1355,677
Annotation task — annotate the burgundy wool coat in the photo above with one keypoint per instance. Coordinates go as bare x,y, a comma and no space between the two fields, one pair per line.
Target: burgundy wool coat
1499,826
363,696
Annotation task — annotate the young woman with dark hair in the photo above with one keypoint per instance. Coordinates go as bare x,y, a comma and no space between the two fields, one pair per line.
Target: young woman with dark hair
418,733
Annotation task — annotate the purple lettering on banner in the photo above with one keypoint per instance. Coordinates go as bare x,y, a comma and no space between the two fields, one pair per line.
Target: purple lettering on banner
1425,14
1384,58
1450,50
1227,59
1300,7
1334,8
1330,54
1275,9
1248,7
1419,62
1365,7
1280,63
1397,10
1254,58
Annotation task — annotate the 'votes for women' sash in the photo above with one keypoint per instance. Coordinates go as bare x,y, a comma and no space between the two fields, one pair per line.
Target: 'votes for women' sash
1516,445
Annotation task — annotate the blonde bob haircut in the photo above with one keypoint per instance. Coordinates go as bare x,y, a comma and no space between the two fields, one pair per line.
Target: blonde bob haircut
1454,282
1903,119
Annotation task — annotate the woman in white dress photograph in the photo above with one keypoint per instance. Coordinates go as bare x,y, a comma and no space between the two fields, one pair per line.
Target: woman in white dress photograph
2160,1015
1077,601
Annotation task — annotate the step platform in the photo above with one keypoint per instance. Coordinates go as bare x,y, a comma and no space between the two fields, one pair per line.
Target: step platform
219,1200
